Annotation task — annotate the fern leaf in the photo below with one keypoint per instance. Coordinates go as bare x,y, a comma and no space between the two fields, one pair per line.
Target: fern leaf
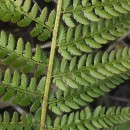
12,53
86,11
25,122
96,67
18,89
85,38
90,77
21,13
78,28
123,126
99,119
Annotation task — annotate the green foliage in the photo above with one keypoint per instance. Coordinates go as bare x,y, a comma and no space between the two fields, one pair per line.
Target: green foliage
80,74
124,126
21,12
89,77
98,67
86,38
26,122
97,23
84,11
19,55
98,119
18,89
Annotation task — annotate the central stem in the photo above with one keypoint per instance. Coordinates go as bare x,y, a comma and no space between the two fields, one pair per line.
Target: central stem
50,66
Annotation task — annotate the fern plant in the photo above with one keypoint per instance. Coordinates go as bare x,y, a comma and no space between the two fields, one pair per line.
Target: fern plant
77,67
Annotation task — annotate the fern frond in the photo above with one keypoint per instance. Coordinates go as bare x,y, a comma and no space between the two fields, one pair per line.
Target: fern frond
20,12
16,55
124,126
19,89
75,73
98,119
66,101
88,78
76,41
26,122
84,12
80,75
